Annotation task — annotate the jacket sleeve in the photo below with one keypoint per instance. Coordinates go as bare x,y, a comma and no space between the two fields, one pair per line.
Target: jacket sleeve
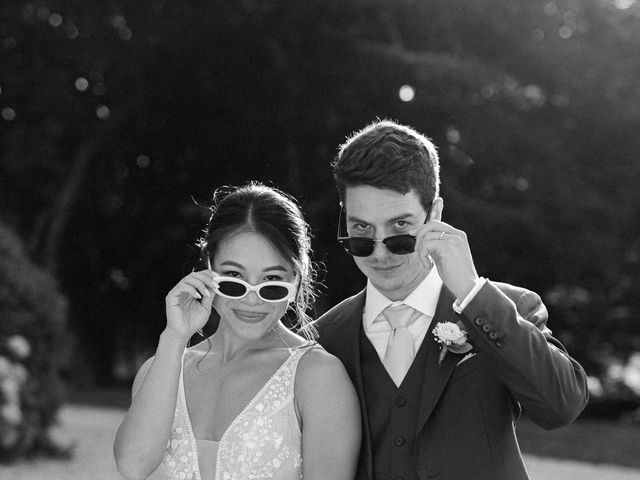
510,324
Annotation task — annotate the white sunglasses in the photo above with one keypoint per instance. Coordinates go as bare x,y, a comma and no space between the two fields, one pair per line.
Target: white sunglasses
273,291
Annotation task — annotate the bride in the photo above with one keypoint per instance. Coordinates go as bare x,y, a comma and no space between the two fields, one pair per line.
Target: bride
256,400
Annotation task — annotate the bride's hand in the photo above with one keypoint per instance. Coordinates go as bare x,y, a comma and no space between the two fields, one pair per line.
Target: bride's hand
188,304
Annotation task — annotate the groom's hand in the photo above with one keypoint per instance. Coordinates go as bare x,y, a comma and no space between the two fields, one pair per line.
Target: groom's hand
449,249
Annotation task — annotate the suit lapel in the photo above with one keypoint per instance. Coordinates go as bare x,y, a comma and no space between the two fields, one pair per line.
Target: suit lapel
436,376
348,350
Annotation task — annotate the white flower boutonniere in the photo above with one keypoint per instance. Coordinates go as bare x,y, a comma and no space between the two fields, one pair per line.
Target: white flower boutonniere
452,338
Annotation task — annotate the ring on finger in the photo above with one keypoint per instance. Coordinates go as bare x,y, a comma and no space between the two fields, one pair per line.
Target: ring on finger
442,234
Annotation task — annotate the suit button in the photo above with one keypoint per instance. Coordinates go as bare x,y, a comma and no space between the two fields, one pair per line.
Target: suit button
500,343
400,402
486,328
493,335
479,321
399,441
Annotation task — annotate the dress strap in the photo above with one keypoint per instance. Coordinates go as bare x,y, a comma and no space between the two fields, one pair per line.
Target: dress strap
296,354
304,347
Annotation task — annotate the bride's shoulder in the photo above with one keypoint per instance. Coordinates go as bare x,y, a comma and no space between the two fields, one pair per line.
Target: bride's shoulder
320,374
317,362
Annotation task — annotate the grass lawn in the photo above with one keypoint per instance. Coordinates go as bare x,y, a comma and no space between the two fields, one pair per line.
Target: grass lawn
91,429
584,440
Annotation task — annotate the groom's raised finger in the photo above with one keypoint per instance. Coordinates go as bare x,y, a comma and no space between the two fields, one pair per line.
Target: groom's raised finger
434,226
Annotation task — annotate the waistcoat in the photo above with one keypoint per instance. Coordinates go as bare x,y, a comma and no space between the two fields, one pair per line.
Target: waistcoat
392,413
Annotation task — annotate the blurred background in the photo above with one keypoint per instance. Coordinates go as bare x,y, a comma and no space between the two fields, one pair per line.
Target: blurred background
118,120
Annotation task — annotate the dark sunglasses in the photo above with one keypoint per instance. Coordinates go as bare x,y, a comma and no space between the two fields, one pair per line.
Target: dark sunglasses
363,246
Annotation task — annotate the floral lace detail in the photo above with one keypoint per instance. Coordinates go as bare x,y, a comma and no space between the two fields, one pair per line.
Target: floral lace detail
263,442
180,460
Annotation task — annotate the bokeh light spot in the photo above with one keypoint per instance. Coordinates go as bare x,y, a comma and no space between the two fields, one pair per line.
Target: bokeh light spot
407,93
8,114
522,184
537,34
125,33
550,9
565,32
535,94
103,112
72,32
43,13
122,172
118,21
55,20
488,90
81,84
624,4
453,135
28,10
143,161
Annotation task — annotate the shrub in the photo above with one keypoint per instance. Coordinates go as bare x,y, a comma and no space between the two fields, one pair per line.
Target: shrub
32,352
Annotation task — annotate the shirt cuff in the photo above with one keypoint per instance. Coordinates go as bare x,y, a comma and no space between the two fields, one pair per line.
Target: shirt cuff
458,306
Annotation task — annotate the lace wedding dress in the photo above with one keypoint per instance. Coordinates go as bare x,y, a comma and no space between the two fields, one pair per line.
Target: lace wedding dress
263,442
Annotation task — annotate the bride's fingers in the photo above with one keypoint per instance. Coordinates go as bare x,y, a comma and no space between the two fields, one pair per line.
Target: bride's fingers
207,302
198,284
207,277
182,289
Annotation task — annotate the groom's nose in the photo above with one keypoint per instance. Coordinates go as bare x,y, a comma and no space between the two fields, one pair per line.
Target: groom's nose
380,251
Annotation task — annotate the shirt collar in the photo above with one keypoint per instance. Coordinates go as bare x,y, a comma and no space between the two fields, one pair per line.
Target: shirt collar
423,298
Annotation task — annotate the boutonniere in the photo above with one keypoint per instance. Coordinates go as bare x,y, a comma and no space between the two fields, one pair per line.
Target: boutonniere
452,338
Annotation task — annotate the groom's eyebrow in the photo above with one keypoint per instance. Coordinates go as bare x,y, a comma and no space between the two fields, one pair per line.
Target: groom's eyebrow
354,218
400,216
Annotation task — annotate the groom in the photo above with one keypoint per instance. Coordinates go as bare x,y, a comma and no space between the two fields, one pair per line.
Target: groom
443,361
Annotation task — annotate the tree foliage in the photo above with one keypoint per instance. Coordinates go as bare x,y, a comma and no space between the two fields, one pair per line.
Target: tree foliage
129,115
33,345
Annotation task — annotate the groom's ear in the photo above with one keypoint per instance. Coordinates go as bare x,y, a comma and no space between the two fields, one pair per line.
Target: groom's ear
436,209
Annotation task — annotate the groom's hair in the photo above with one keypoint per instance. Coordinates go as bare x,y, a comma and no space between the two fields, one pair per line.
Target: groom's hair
390,156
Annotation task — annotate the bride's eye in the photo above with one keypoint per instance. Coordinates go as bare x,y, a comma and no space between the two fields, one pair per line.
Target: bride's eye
231,273
273,278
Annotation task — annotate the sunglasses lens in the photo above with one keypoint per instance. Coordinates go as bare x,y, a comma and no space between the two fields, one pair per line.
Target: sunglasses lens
363,247
359,247
274,292
400,244
232,289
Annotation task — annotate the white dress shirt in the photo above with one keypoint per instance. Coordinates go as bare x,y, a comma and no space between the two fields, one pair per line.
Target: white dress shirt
424,299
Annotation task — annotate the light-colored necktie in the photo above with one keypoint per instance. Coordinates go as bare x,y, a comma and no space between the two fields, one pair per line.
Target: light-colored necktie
399,354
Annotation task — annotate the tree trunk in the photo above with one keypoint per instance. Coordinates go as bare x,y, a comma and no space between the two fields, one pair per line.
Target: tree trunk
51,225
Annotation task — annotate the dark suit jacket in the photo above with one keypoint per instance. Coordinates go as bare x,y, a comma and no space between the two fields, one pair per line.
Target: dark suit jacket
467,412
